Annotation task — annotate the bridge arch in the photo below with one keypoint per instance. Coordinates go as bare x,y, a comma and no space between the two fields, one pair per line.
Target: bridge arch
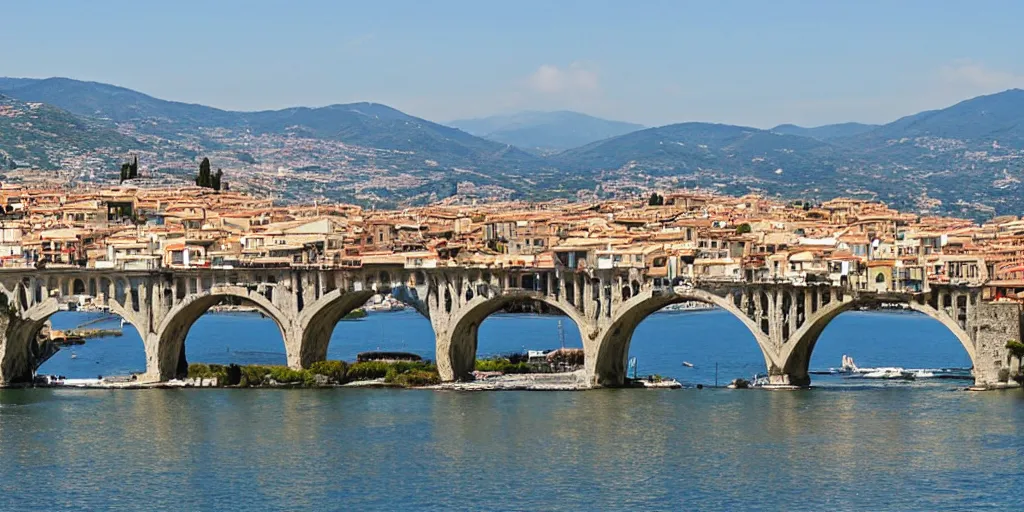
796,353
27,309
316,323
457,345
168,359
18,347
608,364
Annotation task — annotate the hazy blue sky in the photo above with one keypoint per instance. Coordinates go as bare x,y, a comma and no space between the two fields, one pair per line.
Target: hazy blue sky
653,62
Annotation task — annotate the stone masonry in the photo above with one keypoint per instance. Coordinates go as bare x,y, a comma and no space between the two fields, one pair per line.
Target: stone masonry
784,319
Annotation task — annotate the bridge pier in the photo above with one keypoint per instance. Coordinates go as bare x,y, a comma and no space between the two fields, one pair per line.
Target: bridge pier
994,324
455,353
17,348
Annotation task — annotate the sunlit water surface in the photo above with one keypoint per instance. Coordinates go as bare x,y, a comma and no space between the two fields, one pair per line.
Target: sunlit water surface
846,445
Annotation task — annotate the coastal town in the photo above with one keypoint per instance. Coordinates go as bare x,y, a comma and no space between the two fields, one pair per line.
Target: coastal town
676,236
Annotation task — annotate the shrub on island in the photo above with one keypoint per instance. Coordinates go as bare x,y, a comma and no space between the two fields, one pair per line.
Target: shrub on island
323,373
335,371
503,365
208,371
414,378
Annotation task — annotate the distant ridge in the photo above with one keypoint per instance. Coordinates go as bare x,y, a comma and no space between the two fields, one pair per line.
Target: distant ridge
993,117
36,135
826,132
965,159
368,124
545,131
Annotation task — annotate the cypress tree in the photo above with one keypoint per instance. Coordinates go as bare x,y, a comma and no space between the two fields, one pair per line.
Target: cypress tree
203,179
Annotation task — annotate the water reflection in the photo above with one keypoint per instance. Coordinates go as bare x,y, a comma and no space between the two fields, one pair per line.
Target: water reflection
609,449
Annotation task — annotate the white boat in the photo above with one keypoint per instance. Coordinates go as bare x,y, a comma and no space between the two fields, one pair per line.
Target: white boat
848,365
889,374
387,303
687,364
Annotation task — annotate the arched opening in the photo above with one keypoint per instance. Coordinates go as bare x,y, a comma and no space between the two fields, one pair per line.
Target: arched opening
235,331
516,333
229,326
343,323
523,325
889,344
88,343
389,325
683,338
78,287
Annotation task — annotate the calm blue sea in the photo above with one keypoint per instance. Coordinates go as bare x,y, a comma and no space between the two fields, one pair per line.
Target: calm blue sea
842,446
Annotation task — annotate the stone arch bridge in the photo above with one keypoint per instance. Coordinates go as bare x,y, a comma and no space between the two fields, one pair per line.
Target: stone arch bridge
784,319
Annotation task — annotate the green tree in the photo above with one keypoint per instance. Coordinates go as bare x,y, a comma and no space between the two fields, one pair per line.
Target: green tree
655,200
124,172
1016,349
215,182
204,179
133,169
743,229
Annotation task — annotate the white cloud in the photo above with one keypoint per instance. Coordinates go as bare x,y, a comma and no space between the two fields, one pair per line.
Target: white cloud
574,78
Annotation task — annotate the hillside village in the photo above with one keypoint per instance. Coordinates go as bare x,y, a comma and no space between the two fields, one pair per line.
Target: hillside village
694,235
74,132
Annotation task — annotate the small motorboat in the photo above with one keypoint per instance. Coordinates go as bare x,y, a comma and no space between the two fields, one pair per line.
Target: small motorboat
687,364
74,355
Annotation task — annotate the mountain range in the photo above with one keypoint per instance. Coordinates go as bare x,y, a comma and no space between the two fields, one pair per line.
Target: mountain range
965,159
545,132
826,132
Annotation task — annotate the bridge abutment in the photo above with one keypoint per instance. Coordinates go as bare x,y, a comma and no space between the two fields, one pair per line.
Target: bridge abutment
995,324
17,357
